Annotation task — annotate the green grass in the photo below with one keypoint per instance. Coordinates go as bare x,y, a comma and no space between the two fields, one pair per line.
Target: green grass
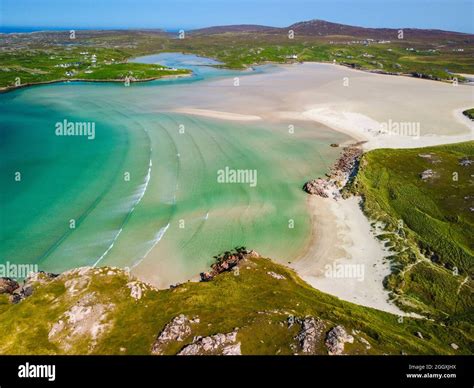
253,301
433,251
469,113
34,60
35,66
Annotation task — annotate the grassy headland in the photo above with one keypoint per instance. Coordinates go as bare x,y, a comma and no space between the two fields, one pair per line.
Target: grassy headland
93,311
423,198
87,62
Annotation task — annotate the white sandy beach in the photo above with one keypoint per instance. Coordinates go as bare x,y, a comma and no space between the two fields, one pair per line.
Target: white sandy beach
316,92
342,239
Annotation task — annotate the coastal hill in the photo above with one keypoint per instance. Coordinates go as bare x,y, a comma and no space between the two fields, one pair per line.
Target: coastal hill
423,198
246,305
325,28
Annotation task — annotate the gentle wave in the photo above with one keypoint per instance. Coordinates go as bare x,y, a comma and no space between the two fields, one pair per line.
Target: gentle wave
156,240
140,194
109,248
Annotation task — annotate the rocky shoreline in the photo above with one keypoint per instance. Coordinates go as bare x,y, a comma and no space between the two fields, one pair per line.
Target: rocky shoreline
343,170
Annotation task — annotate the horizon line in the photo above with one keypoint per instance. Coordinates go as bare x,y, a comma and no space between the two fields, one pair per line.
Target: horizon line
41,28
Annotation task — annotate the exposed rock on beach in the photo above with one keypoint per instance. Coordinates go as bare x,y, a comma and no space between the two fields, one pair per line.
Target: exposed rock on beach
341,172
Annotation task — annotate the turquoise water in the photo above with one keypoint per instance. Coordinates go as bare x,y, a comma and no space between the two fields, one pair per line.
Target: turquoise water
202,68
74,204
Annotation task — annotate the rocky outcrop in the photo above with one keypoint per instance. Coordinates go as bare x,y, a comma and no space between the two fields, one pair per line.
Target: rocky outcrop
218,344
177,330
335,340
276,275
340,173
425,76
138,289
19,292
310,334
347,162
318,187
465,162
227,261
87,320
7,285
427,174
40,277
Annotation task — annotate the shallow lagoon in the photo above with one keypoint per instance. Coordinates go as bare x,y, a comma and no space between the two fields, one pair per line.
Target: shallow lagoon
144,193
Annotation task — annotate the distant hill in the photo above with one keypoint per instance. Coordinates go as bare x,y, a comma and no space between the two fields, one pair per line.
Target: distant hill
235,28
324,28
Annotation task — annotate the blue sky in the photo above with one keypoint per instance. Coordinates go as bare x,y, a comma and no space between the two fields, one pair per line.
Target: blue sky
456,15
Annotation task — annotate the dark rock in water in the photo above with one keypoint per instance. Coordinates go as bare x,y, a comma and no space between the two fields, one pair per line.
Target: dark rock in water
335,145
7,285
